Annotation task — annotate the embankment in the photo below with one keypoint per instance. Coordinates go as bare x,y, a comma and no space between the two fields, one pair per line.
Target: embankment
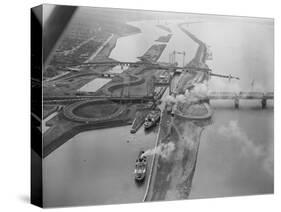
153,53
188,79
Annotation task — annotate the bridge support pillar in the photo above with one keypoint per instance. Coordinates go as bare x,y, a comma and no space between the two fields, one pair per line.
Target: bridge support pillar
236,103
263,103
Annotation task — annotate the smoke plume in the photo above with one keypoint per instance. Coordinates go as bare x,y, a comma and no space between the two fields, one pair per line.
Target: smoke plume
233,132
200,90
220,85
163,150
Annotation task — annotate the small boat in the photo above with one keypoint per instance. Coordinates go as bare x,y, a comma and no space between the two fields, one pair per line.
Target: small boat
152,118
133,131
140,168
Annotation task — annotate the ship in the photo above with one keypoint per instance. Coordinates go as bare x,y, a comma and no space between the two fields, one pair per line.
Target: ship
141,167
152,118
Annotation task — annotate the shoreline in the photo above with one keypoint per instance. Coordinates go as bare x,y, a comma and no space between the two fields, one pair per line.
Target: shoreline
92,57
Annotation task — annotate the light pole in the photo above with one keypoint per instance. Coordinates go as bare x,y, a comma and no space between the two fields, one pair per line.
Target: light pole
183,58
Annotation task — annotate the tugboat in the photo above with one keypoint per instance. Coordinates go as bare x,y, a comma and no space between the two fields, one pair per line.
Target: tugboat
141,166
152,118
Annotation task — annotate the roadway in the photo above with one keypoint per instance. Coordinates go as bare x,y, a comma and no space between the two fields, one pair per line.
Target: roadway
241,95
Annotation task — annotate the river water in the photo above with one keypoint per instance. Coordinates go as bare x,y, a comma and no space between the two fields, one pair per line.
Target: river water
95,167
236,150
136,45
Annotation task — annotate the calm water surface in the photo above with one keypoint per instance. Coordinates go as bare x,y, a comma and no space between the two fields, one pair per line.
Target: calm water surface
136,45
236,151
96,167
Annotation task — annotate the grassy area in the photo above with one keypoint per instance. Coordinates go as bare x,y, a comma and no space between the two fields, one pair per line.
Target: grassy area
62,129
105,52
48,110
69,84
153,53
96,110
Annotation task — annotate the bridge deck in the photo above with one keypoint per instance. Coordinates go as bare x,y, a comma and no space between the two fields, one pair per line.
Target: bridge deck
54,99
241,95
140,63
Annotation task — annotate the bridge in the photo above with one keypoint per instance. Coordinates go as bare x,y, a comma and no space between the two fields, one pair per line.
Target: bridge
121,99
139,63
170,66
242,95
109,63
